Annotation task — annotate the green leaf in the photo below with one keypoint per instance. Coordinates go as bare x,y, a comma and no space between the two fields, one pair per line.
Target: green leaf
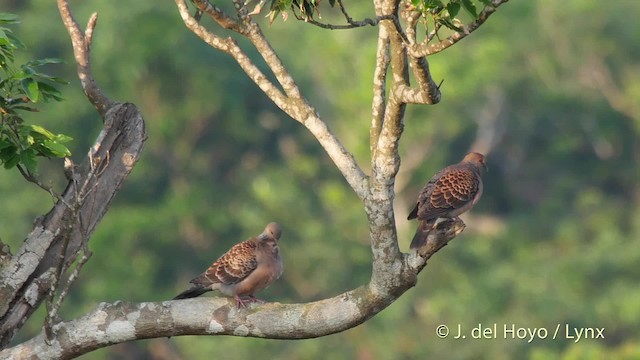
44,61
470,8
28,159
20,75
25,108
42,131
49,92
7,18
4,144
58,80
433,4
4,39
30,88
7,152
446,22
12,161
62,138
15,42
453,8
27,71
56,149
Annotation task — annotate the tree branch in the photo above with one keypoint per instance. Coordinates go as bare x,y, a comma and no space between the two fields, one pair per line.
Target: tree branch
113,323
378,106
352,24
385,158
427,94
291,102
425,49
217,15
81,49
273,61
385,162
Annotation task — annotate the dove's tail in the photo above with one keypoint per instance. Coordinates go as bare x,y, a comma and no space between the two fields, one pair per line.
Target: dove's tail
193,292
422,232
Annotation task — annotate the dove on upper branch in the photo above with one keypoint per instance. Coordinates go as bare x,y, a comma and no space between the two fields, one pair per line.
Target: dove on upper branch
450,192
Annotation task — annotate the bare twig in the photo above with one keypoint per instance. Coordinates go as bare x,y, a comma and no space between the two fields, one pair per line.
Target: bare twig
52,311
343,10
27,175
353,24
81,49
55,308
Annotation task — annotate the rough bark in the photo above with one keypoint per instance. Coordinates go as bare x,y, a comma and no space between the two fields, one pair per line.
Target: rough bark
25,281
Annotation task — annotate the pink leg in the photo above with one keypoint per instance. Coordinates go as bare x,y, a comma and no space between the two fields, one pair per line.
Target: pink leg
242,302
255,299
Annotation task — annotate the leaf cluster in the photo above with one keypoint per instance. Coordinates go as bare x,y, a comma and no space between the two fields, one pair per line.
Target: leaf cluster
21,87
445,13
302,9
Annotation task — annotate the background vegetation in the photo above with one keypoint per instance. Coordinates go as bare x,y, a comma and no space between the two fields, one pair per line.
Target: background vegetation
549,90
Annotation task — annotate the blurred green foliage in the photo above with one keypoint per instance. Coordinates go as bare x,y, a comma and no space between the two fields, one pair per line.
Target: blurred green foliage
550,89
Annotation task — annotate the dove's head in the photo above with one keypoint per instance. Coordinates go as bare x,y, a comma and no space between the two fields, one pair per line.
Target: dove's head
272,231
476,159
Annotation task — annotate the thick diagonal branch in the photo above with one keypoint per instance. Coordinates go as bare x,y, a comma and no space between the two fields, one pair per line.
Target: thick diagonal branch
26,280
290,101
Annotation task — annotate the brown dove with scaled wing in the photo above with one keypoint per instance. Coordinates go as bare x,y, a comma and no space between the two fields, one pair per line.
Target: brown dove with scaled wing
449,193
244,270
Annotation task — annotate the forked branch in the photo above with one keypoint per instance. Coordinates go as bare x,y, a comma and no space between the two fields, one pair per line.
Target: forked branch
81,49
289,99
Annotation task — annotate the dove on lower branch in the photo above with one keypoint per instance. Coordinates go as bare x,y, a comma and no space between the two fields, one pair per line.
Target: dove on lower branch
244,270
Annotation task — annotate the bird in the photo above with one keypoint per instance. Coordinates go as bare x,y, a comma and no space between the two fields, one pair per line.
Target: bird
449,193
247,268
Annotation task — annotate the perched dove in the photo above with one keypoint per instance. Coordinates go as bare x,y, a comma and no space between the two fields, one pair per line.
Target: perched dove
247,268
450,192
